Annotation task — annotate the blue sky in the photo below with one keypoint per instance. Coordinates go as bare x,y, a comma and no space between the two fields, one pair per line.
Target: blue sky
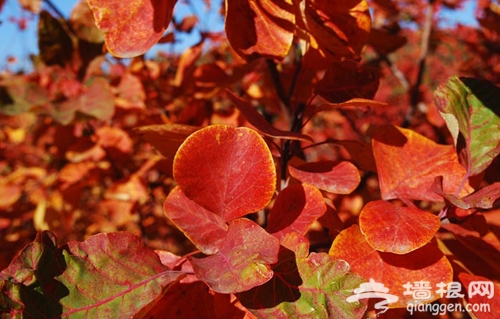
21,44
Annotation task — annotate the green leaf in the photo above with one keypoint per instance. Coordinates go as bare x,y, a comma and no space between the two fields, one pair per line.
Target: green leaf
470,108
313,286
107,276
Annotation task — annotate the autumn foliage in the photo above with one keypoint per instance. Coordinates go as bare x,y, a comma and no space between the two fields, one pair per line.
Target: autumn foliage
265,172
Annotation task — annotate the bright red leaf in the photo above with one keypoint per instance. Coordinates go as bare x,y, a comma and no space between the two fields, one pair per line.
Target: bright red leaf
407,164
243,260
261,28
229,171
295,209
426,264
131,28
337,178
396,229
207,233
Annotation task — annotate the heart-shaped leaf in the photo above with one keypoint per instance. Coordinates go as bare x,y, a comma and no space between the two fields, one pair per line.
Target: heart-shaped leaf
229,171
396,229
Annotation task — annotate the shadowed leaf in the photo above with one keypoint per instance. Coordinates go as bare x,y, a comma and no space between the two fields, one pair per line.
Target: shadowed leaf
108,275
337,178
243,260
229,171
310,286
470,107
261,28
260,123
426,264
295,209
166,138
395,229
478,293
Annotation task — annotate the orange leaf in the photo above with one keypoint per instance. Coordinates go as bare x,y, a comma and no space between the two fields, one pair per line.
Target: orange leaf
427,264
260,28
407,164
229,171
166,138
395,229
131,27
337,178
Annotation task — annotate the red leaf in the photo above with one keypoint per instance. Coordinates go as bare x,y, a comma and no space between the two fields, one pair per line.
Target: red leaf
261,28
395,229
426,264
340,28
481,291
407,164
131,93
337,178
483,198
207,233
187,24
243,260
186,62
131,28
295,209
229,171
260,123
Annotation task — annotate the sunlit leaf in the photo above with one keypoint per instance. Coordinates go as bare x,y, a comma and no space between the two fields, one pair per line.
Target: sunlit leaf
337,178
295,209
470,107
108,275
131,28
260,123
483,198
396,229
426,264
261,28
31,5
207,233
407,164
243,260
229,171
310,286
